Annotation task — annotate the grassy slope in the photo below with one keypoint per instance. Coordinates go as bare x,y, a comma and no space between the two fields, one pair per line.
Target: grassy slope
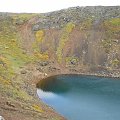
12,59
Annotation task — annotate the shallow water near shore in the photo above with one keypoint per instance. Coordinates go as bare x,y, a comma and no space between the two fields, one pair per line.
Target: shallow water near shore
82,97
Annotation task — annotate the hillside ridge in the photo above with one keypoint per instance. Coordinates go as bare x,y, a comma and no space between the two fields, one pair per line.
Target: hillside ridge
77,40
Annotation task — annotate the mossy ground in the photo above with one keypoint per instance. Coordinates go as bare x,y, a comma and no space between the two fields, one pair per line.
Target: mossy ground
12,57
64,38
15,91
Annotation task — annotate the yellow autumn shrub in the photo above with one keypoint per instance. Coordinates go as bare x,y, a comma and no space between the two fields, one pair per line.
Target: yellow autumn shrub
39,35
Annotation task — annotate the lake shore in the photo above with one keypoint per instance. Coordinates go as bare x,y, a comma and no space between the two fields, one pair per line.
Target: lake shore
33,107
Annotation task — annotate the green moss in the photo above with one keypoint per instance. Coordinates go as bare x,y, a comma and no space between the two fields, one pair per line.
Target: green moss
114,21
69,27
64,38
4,81
72,60
22,17
37,108
11,58
19,94
39,36
107,45
112,27
87,24
41,56
38,55
115,62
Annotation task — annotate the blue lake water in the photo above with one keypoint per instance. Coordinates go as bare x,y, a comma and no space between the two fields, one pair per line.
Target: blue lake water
82,97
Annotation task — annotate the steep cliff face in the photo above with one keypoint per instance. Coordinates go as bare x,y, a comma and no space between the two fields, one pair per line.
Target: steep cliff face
85,38
18,99
79,39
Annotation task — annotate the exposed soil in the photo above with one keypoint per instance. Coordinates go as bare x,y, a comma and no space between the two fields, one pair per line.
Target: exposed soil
27,37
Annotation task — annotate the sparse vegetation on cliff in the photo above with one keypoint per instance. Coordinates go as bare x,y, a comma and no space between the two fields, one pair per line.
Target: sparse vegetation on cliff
63,39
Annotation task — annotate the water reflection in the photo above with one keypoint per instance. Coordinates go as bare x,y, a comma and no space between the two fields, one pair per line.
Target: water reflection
53,84
45,95
82,97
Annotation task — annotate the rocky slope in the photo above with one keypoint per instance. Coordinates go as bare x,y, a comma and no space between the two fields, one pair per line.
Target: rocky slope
80,40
